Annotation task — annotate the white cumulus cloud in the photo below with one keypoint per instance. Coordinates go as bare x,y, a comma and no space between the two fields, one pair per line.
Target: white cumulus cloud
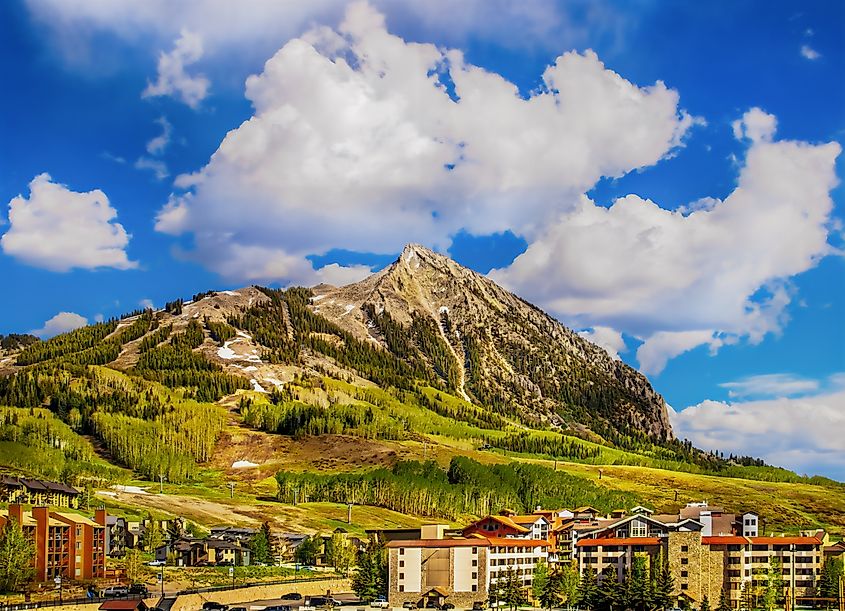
704,275
804,434
158,144
605,337
59,229
770,385
808,52
156,166
173,79
363,141
60,323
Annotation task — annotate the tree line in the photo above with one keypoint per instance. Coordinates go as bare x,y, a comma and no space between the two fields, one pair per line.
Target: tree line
467,487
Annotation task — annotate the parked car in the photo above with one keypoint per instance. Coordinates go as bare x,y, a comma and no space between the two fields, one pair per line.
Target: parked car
318,602
291,596
139,589
156,563
478,606
447,606
277,608
237,609
214,606
409,605
380,603
431,604
115,592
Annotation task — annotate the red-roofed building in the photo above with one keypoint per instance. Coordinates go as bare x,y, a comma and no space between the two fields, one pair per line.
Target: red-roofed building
459,570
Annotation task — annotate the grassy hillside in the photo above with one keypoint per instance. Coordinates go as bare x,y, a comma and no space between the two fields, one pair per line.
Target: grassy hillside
349,419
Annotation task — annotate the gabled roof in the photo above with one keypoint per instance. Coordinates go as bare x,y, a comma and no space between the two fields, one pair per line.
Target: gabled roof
586,509
608,524
642,509
504,520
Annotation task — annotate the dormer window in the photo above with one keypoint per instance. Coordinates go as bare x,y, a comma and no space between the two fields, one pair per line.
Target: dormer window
638,529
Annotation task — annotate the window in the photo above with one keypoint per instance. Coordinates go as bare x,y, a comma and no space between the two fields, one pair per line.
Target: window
686,560
401,575
474,588
684,586
638,529
475,562
401,551
401,588
401,563
475,575
685,548
474,550
684,573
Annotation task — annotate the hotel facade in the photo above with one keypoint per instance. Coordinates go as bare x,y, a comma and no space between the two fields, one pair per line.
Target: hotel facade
707,549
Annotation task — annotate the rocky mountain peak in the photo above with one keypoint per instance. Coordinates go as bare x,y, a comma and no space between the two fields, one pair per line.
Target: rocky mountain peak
499,348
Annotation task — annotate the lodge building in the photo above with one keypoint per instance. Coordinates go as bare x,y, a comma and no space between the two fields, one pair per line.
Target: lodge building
707,548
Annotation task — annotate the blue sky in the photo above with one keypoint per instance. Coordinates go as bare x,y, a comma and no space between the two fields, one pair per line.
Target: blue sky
662,176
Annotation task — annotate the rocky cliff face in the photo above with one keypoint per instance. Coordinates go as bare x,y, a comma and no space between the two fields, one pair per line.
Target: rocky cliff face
496,349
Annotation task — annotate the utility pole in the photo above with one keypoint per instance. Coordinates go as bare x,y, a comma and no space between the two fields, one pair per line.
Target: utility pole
161,576
349,513
161,479
231,489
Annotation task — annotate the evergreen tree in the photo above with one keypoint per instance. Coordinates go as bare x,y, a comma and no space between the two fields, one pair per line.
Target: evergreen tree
611,593
175,529
638,594
724,600
828,584
569,583
513,594
550,592
152,537
540,579
773,588
705,604
371,577
664,583
260,547
588,590
307,551
17,557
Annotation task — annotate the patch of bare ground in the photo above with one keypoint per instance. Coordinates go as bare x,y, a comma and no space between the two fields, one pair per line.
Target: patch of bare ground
271,453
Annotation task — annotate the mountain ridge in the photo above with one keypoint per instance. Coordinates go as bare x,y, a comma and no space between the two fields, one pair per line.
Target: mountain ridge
462,302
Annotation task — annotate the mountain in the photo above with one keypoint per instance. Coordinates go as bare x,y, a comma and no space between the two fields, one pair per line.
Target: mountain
496,349
421,377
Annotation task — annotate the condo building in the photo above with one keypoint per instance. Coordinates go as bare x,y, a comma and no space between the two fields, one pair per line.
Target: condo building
707,548
67,545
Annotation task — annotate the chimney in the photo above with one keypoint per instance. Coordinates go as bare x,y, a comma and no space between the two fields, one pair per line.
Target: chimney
41,514
16,512
432,531
100,516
